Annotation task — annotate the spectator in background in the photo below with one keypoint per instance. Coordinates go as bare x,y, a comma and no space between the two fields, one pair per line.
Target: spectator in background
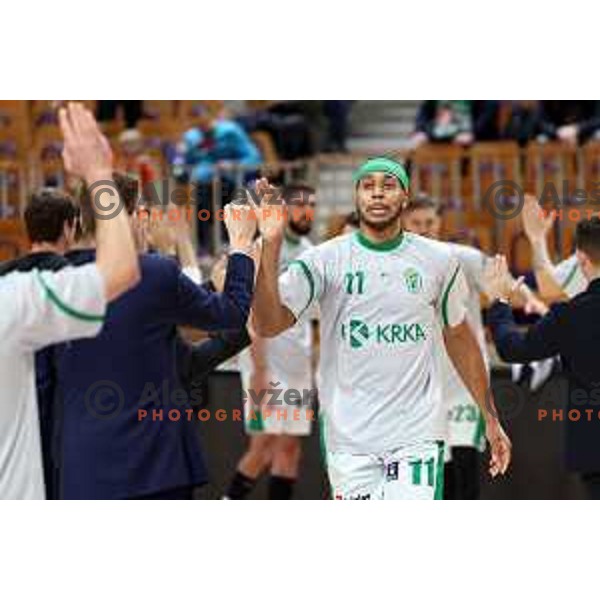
337,113
526,121
292,124
216,141
573,121
131,109
456,121
445,121
133,160
214,146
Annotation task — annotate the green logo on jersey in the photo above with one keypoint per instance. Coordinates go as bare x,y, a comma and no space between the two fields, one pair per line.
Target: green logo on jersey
413,280
359,333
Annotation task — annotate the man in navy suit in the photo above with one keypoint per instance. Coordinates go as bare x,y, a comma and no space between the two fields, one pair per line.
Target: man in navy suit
571,330
108,451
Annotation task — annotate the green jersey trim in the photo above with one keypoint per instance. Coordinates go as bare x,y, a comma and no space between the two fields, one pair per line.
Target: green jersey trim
386,246
311,282
570,276
65,308
290,239
438,493
446,296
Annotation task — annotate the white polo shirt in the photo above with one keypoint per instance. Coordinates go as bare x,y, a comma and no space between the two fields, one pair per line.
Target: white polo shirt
37,309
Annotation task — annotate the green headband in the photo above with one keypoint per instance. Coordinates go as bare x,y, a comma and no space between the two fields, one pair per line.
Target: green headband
386,165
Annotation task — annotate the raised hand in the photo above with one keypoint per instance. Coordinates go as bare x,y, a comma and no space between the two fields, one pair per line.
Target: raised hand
86,151
272,211
498,283
536,223
240,222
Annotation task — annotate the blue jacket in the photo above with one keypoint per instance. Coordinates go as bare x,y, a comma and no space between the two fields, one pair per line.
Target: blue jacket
226,141
571,330
107,451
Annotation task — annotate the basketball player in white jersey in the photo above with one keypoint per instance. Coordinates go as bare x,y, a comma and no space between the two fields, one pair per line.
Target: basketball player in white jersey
381,294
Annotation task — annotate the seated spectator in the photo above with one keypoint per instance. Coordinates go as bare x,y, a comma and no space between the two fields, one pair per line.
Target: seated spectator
456,121
133,159
337,112
445,121
106,110
526,121
573,121
209,148
292,125
216,141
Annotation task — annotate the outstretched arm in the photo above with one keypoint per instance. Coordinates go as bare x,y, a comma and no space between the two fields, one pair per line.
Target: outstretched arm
271,316
537,226
87,154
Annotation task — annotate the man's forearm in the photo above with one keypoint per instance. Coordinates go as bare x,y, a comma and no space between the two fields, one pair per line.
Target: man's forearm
467,358
116,254
270,316
548,286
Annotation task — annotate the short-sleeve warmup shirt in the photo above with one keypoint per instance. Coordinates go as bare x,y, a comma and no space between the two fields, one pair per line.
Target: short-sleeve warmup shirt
37,309
570,277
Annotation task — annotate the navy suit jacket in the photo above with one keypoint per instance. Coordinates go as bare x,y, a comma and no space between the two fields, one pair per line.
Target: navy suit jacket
107,451
571,330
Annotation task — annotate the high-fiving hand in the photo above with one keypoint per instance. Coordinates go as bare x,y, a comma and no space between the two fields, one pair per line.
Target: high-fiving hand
536,223
498,283
271,212
86,152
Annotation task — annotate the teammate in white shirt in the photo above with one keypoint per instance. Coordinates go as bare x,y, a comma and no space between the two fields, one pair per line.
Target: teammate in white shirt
39,309
381,293
277,378
555,283
465,432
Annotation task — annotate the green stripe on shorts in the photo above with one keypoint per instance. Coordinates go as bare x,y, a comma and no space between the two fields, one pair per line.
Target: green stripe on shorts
256,424
438,493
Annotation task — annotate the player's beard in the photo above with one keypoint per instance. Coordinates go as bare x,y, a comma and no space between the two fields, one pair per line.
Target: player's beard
363,217
300,228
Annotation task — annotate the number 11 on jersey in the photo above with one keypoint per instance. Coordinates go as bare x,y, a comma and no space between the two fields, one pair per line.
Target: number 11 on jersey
355,282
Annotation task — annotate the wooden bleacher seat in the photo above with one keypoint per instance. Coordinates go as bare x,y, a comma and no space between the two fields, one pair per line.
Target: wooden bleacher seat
46,157
436,170
13,241
551,163
490,163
